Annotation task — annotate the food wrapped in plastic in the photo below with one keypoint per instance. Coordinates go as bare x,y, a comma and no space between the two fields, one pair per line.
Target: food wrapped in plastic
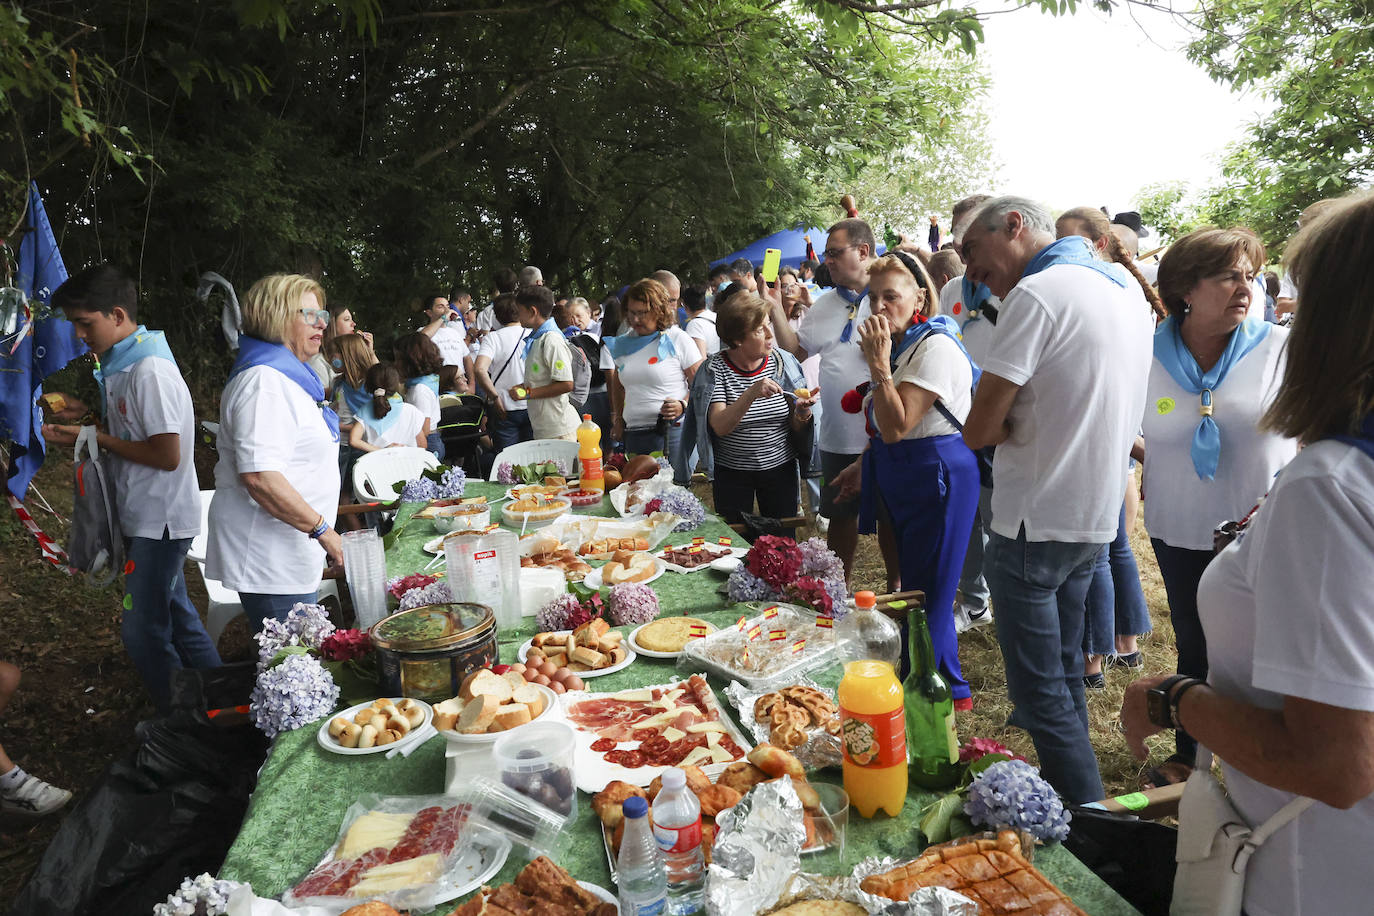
807,716
768,651
757,850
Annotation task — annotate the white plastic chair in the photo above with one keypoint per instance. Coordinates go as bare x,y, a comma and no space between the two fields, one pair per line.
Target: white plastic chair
224,602
376,474
538,450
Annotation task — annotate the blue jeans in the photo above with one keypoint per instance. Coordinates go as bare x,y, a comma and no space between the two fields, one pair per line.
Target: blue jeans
973,586
1039,589
258,607
1116,602
644,441
161,629
512,428
1181,569
435,443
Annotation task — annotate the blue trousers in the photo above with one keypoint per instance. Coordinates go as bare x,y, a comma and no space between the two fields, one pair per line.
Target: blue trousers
435,443
973,586
160,627
1116,603
258,607
929,489
646,441
512,428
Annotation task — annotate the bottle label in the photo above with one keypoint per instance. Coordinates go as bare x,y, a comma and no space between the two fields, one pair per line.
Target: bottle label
591,469
874,740
652,908
679,839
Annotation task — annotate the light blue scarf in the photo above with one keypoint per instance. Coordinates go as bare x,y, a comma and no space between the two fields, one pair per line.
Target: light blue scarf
628,344
141,344
429,381
254,351
853,298
545,328
1178,361
940,324
1074,249
377,424
355,398
976,304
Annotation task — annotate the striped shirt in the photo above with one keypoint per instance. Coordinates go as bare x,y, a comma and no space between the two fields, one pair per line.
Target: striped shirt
761,440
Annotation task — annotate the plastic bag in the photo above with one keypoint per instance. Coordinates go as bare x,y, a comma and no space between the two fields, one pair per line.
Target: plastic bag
1135,857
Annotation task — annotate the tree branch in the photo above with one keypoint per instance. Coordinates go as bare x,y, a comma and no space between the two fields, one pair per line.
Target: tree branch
513,92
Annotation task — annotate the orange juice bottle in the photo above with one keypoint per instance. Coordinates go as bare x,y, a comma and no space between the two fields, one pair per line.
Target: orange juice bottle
873,733
589,454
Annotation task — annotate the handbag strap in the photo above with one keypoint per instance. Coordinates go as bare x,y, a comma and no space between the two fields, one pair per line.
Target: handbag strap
939,404
86,439
1276,822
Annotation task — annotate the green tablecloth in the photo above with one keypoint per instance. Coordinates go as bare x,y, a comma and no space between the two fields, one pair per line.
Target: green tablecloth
303,791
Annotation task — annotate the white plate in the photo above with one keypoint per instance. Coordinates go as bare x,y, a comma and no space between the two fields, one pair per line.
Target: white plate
551,709
570,485
435,546
601,893
727,565
329,744
650,653
474,866
735,552
593,578
630,657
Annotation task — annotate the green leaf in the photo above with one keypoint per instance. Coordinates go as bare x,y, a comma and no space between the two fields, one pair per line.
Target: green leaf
935,819
285,652
979,765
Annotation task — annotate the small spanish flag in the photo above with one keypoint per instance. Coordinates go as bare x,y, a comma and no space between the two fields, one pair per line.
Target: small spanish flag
798,647
825,622
755,632
695,548
696,631
741,624
724,541
770,613
775,635
698,541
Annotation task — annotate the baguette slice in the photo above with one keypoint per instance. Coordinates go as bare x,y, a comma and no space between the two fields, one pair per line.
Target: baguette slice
478,714
531,696
491,685
446,713
510,716
515,679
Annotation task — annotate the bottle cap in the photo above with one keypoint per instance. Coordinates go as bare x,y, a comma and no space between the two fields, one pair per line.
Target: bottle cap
674,778
586,416
634,807
865,599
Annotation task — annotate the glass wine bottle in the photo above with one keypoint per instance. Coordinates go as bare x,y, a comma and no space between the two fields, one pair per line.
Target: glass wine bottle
932,742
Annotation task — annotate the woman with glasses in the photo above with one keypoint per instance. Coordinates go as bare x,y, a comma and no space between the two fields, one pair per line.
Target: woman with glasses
277,481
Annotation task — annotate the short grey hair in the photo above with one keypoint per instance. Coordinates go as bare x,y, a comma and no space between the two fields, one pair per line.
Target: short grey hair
993,214
531,276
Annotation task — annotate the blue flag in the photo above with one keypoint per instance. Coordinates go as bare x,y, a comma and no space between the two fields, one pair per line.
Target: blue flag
49,347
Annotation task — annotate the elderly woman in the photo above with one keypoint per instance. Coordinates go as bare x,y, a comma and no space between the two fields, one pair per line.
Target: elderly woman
277,480
1288,702
1207,460
653,362
752,410
917,470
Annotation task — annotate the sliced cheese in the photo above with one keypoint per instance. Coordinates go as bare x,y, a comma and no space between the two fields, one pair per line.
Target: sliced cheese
397,876
672,734
372,830
700,727
635,696
712,739
698,755
720,754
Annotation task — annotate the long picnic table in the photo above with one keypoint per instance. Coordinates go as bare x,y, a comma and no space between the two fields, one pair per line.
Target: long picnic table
303,791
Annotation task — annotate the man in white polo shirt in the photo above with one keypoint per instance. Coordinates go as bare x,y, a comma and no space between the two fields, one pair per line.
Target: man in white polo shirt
1062,397
452,342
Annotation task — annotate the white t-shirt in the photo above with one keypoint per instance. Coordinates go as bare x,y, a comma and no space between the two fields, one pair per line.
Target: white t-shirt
703,327
452,344
1079,346
423,397
507,369
267,423
1287,288
148,399
1149,270
403,430
842,367
1286,613
974,332
649,384
486,319
550,360
936,364
1182,509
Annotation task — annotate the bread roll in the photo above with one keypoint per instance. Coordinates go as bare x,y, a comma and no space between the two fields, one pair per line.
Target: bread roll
414,715
531,696
510,716
368,736
491,685
446,713
337,725
478,714
349,736
399,724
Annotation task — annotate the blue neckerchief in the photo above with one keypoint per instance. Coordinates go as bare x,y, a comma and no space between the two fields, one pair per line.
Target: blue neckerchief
854,299
429,381
545,328
254,351
940,324
571,331
1364,441
377,424
976,304
628,344
355,398
1074,249
141,344
1183,369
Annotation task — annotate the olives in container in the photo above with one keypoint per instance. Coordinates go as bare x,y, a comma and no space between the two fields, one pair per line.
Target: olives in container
536,761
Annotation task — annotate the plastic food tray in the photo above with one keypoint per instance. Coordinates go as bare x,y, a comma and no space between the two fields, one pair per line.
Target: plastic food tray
776,663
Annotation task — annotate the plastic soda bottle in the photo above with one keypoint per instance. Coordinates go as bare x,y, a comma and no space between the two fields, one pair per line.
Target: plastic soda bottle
589,454
866,633
677,828
643,881
873,736
931,738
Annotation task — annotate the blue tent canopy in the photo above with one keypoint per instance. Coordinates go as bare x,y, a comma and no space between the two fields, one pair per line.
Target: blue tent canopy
790,242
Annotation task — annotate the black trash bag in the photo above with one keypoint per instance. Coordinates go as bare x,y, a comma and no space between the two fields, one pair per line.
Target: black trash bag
167,810
757,525
1134,856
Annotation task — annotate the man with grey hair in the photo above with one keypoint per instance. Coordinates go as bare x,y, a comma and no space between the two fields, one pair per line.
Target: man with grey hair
531,276
1062,396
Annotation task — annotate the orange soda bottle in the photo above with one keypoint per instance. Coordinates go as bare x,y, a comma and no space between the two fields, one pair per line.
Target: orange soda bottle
589,454
873,735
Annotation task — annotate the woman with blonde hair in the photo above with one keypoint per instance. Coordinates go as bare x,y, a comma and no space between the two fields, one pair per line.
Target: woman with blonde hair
277,481
1288,700
1094,226
341,323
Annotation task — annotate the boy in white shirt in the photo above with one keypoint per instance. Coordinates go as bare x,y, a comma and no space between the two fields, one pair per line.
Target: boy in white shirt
548,368
150,424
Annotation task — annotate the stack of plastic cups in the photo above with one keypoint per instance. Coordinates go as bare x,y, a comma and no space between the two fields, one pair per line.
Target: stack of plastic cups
365,567
484,568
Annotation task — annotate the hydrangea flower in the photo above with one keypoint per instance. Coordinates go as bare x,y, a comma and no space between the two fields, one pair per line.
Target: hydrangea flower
305,625
420,490
774,559
566,613
1011,793
452,483
745,586
819,561
342,645
204,895
978,748
838,590
681,503
630,604
295,693
505,473
809,591
397,586
434,593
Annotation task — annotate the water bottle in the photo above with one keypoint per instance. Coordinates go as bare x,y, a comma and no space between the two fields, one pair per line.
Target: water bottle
643,881
865,633
677,828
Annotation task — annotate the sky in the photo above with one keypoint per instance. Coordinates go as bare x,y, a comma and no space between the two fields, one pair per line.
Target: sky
1088,108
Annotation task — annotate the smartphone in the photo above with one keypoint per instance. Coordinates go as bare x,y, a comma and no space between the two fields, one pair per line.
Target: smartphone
772,258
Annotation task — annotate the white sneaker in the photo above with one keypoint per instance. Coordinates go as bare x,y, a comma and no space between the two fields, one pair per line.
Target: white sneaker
34,798
966,619
822,524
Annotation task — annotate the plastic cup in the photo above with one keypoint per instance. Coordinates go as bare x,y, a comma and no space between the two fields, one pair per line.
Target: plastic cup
501,808
365,570
831,823
536,760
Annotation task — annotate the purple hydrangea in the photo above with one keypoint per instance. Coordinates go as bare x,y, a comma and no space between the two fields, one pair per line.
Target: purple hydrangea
630,604
203,895
557,613
420,490
838,590
305,625
1011,793
745,586
452,483
295,693
505,473
820,561
681,503
434,593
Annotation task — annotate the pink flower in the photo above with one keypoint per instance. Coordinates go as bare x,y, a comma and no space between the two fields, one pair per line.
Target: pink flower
977,748
810,591
775,560
342,645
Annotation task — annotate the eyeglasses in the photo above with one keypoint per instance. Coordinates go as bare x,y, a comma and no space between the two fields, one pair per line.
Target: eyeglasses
315,316
637,314
831,253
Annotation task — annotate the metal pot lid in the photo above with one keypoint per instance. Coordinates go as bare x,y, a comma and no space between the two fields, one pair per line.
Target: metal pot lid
432,626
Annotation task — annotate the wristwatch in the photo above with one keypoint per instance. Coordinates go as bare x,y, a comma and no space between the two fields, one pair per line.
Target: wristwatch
1161,702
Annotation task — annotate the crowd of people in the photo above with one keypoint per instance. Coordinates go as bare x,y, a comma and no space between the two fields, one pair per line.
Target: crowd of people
981,408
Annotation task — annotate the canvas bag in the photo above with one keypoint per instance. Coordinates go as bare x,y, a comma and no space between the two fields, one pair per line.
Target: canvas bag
1215,845
96,544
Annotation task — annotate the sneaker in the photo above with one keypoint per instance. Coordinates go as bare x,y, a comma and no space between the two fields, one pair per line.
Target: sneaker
34,798
822,524
966,618
1133,660
1095,681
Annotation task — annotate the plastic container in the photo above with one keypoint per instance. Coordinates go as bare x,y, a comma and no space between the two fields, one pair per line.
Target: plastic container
537,761
589,455
641,876
484,568
539,586
544,514
426,652
469,517
864,633
769,663
508,812
677,830
873,737
365,570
